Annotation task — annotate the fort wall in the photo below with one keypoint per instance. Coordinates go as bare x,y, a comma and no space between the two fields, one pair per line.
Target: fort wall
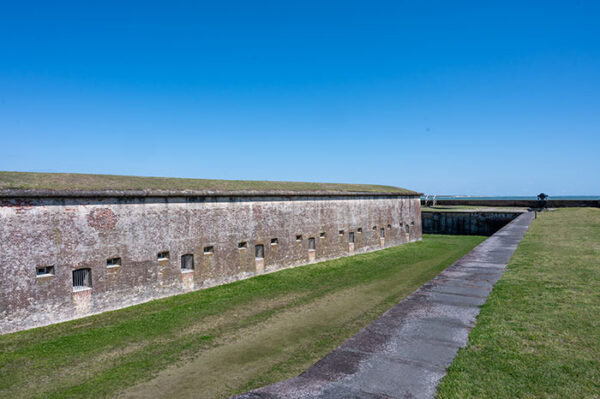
518,203
69,256
483,223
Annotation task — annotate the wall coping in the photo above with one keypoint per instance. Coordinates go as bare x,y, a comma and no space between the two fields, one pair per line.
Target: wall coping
20,193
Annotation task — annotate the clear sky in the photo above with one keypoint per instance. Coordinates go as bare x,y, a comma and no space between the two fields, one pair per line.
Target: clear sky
449,97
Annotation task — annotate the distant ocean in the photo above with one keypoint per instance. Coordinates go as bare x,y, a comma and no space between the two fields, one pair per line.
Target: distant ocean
515,197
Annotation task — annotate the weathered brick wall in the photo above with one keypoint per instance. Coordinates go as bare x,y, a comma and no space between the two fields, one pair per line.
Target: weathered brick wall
73,233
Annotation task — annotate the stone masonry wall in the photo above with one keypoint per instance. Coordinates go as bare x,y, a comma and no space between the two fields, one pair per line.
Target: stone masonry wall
483,223
75,233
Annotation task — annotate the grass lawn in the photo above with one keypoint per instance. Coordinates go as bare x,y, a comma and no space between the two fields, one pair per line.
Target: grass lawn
75,181
223,340
538,335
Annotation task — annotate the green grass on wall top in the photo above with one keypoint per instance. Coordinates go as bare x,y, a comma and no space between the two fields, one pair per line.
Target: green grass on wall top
87,182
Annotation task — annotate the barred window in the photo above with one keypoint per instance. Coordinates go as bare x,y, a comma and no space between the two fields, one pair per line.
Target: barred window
311,243
82,278
382,233
351,237
259,251
407,228
187,262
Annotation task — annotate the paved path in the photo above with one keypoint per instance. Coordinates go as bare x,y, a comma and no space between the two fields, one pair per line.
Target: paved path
405,353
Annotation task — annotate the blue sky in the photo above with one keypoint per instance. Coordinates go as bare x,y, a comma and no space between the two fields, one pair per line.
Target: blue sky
482,97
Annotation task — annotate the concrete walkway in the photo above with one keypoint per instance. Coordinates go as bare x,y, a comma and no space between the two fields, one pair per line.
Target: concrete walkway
405,353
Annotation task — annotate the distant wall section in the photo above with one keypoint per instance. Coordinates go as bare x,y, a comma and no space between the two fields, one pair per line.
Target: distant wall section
520,203
466,223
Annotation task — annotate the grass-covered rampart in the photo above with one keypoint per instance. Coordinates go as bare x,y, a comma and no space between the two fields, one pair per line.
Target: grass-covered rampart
88,182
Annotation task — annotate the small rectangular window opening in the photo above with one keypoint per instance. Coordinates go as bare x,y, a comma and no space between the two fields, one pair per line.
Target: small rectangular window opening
382,233
299,237
163,255
209,250
351,237
322,235
311,243
242,245
274,241
82,278
407,228
341,232
374,228
113,262
187,262
44,271
259,251
359,230
389,226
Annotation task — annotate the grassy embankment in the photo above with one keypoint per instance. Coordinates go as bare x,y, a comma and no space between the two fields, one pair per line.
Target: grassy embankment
223,340
75,181
538,335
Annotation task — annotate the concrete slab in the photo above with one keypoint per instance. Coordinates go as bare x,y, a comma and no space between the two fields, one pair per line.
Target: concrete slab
446,288
436,354
405,352
454,282
395,379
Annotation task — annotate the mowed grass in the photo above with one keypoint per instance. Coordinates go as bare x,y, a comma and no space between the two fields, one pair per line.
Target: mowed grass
538,335
223,340
88,182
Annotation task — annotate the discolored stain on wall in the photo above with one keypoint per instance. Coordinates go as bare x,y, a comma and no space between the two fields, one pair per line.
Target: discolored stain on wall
100,219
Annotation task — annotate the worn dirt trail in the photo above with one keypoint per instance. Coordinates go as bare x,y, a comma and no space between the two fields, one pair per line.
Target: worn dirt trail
218,371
